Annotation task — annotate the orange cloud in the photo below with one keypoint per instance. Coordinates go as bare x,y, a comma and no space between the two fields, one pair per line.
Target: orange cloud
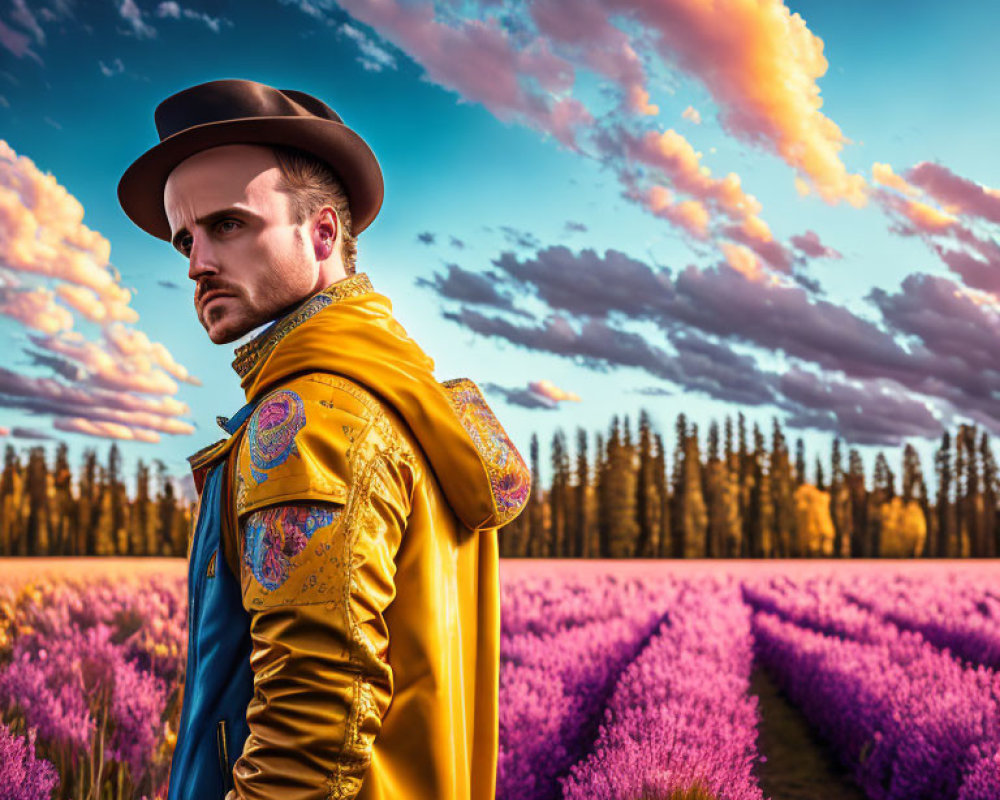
691,113
35,308
44,232
927,217
145,354
761,64
105,430
93,307
691,215
547,389
884,174
745,261
42,236
674,155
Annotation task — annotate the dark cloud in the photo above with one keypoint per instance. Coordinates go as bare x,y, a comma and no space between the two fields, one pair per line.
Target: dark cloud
69,370
520,238
425,238
810,244
875,412
808,283
575,227
587,283
168,284
715,369
927,353
955,339
596,345
698,366
724,302
29,433
657,391
457,243
471,287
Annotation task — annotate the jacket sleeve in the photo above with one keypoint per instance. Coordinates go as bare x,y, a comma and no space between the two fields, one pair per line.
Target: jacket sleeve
322,499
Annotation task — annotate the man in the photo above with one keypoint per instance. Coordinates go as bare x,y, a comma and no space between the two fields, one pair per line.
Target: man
343,597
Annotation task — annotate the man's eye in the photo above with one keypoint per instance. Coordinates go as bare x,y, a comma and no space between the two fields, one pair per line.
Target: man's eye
228,222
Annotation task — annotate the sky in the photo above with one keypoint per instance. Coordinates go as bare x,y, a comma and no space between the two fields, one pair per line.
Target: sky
591,207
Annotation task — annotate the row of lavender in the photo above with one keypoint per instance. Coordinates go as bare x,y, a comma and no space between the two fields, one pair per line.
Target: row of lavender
895,673
618,690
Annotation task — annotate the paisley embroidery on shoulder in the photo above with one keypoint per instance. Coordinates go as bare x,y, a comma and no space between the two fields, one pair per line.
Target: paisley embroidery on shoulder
272,431
276,534
510,477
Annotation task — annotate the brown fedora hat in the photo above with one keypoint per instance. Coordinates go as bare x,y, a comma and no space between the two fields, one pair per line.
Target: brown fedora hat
233,111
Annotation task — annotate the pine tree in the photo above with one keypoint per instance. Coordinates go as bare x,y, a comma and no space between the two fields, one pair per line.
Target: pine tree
800,461
661,546
559,496
537,538
645,492
782,497
620,495
991,528
580,516
945,533
603,505
861,540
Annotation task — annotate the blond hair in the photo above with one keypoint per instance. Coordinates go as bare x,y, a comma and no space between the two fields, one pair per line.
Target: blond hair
310,184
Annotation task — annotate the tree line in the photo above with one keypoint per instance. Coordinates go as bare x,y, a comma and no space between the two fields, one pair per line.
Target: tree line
42,513
744,497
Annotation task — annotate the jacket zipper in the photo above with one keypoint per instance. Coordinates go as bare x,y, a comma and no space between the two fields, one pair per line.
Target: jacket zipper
220,740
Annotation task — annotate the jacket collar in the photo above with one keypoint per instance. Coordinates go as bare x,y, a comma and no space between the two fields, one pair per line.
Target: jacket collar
251,356
349,329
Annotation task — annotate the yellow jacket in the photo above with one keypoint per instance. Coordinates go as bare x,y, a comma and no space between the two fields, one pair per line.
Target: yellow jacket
366,498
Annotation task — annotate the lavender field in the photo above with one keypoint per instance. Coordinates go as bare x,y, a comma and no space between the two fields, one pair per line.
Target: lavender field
624,680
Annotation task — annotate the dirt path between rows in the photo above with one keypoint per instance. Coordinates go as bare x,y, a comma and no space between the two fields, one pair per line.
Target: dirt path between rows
799,766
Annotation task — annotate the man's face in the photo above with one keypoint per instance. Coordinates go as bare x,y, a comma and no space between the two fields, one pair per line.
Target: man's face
234,226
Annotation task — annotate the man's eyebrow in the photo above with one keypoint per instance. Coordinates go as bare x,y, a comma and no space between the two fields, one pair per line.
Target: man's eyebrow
209,218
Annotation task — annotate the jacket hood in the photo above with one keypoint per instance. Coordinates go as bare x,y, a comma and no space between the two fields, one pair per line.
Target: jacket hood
484,477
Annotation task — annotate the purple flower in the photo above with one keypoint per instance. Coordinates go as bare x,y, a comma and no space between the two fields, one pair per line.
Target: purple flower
22,775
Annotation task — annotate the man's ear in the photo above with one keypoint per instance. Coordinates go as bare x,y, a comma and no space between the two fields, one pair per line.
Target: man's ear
325,233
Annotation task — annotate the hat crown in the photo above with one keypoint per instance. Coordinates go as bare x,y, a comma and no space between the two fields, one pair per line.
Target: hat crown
229,99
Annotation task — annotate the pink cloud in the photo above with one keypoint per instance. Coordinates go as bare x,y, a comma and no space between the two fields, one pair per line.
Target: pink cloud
105,430
52,397
479,60
583,28
548,390
960,195
17,43
810,244
35,308
43,240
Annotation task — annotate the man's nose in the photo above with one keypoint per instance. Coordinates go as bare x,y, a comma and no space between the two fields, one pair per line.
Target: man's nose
202,259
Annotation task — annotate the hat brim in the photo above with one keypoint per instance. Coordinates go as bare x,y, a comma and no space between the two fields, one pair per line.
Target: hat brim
140,190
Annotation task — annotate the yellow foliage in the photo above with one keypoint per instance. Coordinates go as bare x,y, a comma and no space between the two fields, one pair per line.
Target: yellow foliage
904,528
814,522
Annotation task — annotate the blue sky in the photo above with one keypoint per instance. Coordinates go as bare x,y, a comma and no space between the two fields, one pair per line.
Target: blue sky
571,159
